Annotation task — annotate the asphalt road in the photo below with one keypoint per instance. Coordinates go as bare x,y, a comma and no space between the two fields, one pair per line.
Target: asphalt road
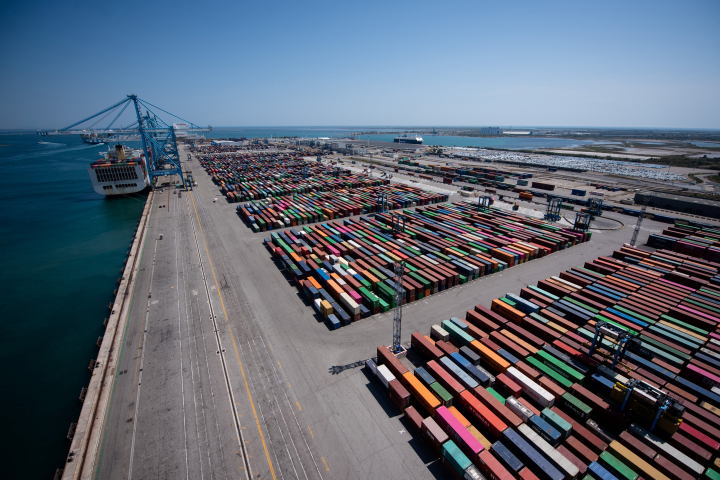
225,368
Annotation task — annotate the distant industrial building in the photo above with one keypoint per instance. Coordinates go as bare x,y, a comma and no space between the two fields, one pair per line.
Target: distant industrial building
517,132
681,203
349,148
490,131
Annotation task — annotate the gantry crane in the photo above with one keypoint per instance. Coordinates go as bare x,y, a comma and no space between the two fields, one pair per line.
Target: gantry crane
158,137
641,216
397,320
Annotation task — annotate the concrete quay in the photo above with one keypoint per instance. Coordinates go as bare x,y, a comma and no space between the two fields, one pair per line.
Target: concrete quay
224,371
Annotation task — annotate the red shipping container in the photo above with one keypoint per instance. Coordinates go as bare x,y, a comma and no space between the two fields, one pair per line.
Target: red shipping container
507,386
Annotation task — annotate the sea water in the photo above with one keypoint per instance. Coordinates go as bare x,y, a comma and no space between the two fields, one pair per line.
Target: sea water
62,248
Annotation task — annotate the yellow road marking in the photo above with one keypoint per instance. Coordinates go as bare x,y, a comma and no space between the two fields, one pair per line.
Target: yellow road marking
279,364
296,403
326,467
288,384
232,336
311,434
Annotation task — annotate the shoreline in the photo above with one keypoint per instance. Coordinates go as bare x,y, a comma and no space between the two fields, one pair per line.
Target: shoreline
85,442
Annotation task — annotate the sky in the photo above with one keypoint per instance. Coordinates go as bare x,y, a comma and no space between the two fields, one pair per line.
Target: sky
385,63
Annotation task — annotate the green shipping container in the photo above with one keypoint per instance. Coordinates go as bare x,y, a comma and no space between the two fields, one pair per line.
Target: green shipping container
555,376
455,457
616,467
575,407
557,422
495,394
560,367
456,333
442,394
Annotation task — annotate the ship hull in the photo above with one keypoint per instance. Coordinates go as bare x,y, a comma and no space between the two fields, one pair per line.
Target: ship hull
113,181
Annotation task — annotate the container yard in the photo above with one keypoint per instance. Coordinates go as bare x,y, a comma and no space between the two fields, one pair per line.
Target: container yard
346,269
301,209
609,369
284,190
227,366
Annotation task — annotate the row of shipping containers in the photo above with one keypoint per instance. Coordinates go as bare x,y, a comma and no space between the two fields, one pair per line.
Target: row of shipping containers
442,245
699,242
518,378
307,208
242,180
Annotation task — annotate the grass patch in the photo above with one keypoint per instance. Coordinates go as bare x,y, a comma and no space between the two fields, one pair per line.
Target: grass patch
714,178
697,179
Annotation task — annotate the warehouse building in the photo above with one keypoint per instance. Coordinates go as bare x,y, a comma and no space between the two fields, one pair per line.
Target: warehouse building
490,131
681,203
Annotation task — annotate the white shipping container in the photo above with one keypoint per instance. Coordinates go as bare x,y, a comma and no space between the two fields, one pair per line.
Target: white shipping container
333,259
350,271
518,409
531,389
317,304
472,473
562,280
555,457
340,281
348,302
339,270
439,333
427,259
383,373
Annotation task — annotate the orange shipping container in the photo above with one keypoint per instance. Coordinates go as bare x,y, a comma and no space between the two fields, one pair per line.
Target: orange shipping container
420,393
461,418
502,308
495,361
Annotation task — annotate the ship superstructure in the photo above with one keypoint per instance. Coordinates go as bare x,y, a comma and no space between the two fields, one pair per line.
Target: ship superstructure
415,139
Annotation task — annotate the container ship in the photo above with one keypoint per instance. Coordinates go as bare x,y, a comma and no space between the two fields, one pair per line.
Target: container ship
121,171
412,139
92,138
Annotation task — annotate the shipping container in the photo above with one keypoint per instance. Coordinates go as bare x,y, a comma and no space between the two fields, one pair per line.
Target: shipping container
534,391
469,445
530,456
482,414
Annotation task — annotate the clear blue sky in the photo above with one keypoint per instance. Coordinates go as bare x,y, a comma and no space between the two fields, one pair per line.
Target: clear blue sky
574,63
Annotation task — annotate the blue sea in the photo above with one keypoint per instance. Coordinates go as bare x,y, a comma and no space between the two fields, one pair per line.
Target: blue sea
62,248
441,140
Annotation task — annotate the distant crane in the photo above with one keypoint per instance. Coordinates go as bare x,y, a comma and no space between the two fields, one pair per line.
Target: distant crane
641,216
158,138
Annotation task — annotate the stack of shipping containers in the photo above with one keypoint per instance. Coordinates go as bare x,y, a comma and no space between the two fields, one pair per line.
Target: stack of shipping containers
520,397
442,246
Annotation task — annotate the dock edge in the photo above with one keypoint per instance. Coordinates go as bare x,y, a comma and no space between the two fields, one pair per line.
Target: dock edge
86,442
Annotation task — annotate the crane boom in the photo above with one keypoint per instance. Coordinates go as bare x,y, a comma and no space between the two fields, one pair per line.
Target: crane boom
641,216
158,137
